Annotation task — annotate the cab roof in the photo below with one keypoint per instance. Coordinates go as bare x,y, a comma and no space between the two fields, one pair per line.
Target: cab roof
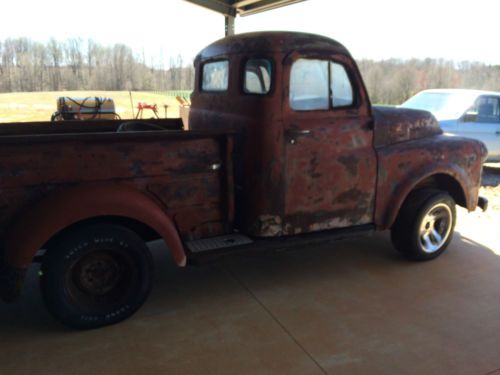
270,41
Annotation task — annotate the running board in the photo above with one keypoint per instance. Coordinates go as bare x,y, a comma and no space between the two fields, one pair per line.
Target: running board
205,250
214,243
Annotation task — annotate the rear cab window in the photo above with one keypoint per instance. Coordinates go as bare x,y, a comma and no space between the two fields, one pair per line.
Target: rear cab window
257,76
215,76
487,109
319,85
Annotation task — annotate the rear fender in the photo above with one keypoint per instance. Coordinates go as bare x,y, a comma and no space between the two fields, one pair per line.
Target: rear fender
61,209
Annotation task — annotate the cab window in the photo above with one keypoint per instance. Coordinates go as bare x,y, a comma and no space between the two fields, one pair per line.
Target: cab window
257,76
309,85
487,109
319,85
340,86
215,76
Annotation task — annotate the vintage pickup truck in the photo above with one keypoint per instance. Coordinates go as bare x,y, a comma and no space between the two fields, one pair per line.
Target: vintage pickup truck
283,150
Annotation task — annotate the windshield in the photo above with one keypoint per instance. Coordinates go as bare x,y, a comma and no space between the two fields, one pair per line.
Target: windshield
444,106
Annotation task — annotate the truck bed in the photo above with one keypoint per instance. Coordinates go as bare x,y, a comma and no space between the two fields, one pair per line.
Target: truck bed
188,172
86,126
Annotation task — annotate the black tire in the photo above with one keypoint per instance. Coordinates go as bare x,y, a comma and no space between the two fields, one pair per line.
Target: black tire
96,275
425,223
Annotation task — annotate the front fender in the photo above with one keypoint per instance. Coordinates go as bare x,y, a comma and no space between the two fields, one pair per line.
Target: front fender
61,209
402,167
399,194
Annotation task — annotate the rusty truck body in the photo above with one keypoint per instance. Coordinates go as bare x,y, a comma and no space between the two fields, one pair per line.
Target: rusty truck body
284,149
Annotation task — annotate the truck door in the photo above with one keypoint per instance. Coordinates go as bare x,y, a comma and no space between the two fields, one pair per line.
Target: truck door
330,160
482,122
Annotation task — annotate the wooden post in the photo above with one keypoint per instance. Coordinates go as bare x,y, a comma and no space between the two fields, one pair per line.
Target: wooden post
131,103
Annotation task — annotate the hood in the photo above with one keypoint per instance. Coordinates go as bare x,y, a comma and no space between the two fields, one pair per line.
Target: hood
393,125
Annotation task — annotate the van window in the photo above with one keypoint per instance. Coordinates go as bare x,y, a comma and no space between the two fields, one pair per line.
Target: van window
257,76
215,76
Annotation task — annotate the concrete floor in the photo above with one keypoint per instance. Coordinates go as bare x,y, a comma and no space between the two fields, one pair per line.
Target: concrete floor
354,307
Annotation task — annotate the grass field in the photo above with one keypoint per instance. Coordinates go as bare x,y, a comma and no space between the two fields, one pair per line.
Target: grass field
39,106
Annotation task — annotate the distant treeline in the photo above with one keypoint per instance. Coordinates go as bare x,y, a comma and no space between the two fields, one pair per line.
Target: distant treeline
75,64
393,81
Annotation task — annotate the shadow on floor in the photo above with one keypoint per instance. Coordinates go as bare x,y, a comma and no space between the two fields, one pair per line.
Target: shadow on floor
176,288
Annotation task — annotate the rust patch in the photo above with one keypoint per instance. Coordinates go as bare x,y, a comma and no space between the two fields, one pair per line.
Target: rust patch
352,195
137,168
394,125
313,167
351,163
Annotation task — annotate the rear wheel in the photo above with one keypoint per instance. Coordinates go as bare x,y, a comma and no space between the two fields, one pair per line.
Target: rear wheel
425,224
96,275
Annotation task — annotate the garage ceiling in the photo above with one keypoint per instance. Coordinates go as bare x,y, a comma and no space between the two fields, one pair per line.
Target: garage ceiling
231,8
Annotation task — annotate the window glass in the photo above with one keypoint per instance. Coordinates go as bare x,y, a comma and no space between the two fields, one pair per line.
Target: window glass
443,105
341,86
487,109
257,76
309,85
215,76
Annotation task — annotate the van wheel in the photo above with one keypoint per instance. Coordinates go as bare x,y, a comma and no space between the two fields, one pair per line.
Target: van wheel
424,226
96,275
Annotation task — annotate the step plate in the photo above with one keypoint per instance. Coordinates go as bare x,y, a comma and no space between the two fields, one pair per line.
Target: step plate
207,244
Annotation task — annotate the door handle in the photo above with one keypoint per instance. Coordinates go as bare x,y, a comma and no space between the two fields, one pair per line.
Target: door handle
292,134
298,132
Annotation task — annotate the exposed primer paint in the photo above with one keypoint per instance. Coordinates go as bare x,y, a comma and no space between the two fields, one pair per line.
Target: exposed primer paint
339,222
270,226
332,223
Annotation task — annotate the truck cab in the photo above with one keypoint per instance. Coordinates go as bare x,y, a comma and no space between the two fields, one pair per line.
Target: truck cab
306,158
312,154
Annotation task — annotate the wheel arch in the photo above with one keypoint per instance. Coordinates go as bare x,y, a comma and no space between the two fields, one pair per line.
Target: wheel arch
142,230
71,207
444,182
449,181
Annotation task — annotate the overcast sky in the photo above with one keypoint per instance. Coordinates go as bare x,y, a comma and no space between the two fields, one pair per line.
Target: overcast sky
376,29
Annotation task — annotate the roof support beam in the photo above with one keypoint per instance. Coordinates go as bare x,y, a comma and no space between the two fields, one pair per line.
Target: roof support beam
242,3
242,7
229,25
217,6
253,7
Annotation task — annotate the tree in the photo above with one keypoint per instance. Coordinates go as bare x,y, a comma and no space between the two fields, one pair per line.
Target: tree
56,55
74,59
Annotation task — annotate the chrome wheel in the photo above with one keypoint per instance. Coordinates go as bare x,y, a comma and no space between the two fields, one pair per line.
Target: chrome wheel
435,227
